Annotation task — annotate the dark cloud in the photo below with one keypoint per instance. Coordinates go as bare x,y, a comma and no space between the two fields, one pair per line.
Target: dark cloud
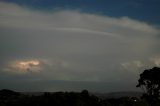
74,46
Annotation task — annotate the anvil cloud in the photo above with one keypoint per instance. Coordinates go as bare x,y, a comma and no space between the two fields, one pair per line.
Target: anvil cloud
74,45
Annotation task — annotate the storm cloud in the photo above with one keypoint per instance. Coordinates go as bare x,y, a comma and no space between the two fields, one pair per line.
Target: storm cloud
74,46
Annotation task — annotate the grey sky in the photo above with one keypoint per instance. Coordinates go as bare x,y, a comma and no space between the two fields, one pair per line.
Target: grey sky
72,46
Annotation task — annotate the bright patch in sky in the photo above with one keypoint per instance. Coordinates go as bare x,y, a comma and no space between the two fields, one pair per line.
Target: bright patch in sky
24,66
27,64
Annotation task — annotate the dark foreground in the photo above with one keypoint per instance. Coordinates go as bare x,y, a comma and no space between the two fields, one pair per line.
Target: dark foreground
11,98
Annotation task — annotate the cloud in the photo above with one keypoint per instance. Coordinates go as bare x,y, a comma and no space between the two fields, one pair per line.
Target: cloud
24,66
139,65
74,45
16,16
30,66
132,65
155,61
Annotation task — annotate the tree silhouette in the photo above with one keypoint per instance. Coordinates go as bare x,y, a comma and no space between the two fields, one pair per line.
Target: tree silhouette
149,81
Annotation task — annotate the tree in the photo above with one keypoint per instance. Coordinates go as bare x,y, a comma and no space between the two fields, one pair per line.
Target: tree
149,81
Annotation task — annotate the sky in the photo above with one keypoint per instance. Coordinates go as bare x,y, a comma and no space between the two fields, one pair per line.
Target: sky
71,45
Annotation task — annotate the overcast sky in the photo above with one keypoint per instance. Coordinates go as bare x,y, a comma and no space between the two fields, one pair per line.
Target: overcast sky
99,45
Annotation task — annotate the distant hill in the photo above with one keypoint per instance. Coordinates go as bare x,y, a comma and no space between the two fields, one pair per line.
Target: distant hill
101,95
7,92
118,94
33,93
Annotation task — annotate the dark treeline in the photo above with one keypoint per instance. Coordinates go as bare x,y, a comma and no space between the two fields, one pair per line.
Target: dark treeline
11,98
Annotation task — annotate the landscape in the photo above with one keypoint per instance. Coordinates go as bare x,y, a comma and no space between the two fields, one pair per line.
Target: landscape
11,98
80,52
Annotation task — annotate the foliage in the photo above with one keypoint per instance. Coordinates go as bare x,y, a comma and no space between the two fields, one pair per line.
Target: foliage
149,81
